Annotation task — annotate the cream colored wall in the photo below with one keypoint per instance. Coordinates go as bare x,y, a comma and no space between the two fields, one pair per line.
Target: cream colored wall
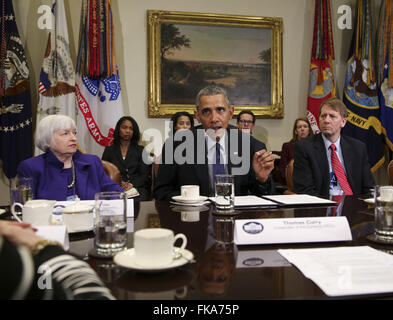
131,52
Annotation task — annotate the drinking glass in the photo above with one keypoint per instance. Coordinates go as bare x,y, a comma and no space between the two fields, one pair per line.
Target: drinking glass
21,190
225,192
383,197
111,222
224,227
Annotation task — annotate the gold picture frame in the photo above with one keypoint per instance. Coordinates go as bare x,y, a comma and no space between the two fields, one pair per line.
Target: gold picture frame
187,51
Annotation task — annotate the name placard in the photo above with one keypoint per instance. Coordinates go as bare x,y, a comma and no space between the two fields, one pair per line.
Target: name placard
54,233
291,230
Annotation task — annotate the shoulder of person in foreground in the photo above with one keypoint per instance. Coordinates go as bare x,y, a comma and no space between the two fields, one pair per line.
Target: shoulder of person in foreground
38,269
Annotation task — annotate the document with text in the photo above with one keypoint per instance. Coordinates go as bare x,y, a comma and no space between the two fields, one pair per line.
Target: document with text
342,271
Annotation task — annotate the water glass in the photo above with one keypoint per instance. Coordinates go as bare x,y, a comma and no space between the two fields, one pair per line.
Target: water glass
21,190
224,227
383,197
225,192
111,222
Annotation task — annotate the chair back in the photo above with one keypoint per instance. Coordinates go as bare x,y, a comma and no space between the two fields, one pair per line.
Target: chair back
112,171
288,176
390,172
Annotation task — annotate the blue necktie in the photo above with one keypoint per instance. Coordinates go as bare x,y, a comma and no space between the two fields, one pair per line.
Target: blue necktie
218,168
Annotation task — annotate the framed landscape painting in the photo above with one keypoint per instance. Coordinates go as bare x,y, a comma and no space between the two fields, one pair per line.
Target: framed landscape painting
189,51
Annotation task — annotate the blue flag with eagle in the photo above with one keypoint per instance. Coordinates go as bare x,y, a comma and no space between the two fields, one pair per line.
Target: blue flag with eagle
360,90
385,69
15,116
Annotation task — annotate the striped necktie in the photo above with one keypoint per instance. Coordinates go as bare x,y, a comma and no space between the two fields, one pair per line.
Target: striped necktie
339,172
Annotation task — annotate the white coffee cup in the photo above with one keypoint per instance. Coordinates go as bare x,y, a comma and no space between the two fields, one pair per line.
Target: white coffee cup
36,212
78,217
154,247
190,192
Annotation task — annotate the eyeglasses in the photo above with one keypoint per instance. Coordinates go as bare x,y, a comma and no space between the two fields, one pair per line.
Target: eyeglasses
246,121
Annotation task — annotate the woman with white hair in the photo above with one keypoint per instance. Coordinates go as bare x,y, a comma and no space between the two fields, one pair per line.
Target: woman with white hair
63,172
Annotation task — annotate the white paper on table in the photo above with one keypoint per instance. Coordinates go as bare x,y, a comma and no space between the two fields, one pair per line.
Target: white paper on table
116,203
260,259
298,199
344,271
291,230
250,201
54,233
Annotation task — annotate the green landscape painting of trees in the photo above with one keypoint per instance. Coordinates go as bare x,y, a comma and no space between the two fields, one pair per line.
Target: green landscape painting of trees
236,58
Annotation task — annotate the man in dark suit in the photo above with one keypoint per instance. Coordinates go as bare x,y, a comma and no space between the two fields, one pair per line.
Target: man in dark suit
190,156
330,164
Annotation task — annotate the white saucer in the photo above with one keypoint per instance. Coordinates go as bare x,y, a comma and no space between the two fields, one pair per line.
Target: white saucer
180,199
369,200
126,259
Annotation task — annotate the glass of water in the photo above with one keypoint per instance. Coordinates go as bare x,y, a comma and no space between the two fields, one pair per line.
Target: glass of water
224,227
111,222
383,197
21,190
225,192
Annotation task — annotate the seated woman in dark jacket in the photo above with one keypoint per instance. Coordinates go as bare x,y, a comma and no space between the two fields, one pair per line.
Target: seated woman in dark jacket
127,155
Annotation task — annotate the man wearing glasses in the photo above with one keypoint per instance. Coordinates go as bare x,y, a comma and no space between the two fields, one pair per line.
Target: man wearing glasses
246,121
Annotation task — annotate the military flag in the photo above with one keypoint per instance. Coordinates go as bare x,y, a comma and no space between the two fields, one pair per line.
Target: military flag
360,89
385,69
57,78
98,89
321,81
15,102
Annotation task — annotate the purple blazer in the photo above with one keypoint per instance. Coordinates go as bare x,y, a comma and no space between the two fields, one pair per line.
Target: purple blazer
50,179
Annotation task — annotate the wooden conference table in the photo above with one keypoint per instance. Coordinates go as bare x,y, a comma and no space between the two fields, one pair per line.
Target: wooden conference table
223,270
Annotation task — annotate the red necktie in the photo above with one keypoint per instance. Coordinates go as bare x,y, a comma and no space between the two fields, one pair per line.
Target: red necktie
339,171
